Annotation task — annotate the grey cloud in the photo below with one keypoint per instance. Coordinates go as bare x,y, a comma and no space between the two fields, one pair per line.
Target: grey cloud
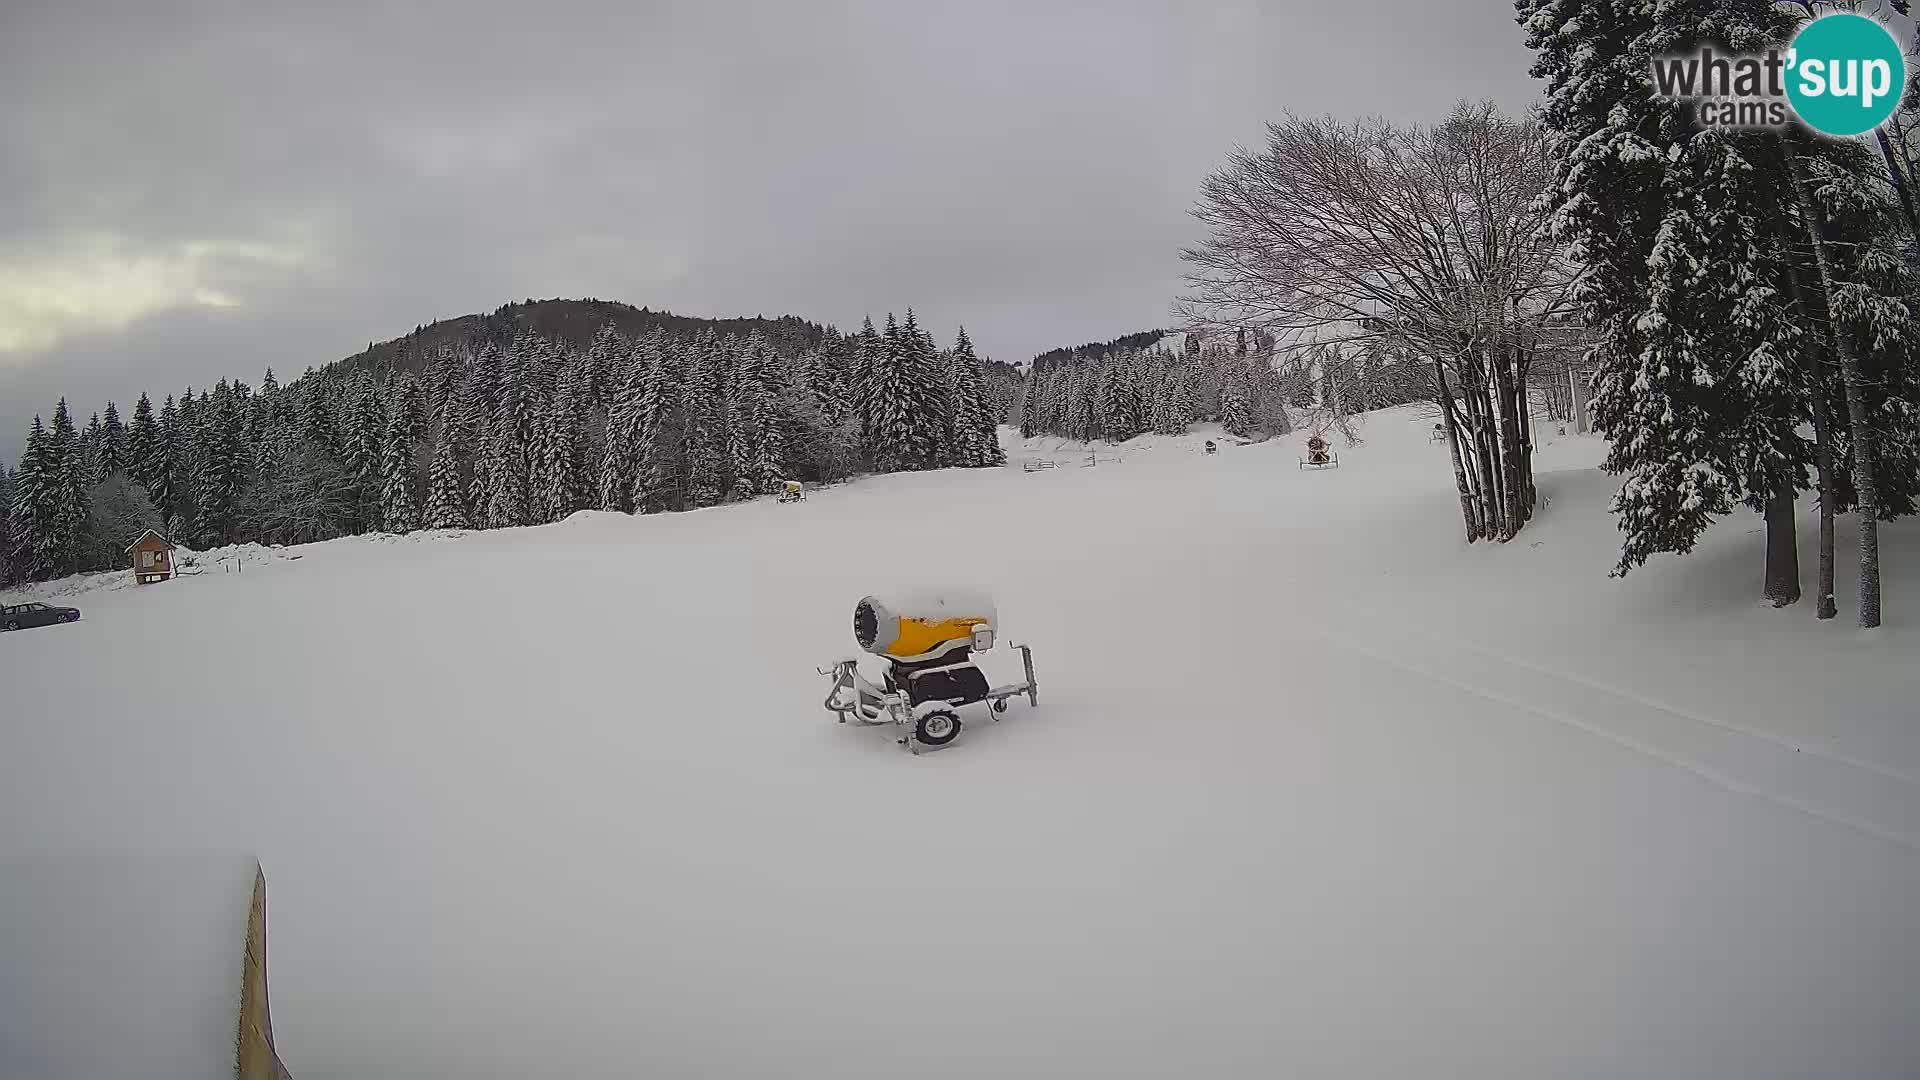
1022,168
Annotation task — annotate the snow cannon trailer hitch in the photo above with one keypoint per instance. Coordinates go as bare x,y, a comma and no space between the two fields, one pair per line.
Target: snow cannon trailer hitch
928,641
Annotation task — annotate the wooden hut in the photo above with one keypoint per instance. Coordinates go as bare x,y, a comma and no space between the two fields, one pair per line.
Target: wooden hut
151,557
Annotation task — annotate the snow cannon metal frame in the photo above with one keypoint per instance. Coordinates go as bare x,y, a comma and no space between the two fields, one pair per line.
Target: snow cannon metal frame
928,641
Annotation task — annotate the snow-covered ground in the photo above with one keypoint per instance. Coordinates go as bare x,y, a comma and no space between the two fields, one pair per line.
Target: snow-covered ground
1314,789
126,965
232,559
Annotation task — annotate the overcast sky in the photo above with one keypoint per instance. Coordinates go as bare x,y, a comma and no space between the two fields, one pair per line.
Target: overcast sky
190,191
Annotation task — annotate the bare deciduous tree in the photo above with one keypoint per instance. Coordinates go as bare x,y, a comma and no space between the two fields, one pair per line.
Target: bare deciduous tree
1421,243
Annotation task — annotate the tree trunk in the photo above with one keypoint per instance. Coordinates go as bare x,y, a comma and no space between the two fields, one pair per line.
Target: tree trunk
1823,607
1486,454
1851,377
1783,550
1480,427
1526,450
1508,436
1906,159
1899,176
1517,446
1468,516
1486,473
1522,448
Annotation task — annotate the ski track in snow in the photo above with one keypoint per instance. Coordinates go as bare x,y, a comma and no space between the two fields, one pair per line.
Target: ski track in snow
1684,714
1711,774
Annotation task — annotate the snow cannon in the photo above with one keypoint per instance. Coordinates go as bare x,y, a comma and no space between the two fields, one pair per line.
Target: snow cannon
927,638
920,626
1319,454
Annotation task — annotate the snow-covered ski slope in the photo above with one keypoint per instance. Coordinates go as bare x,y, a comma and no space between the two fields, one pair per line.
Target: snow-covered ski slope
1314,789
127,965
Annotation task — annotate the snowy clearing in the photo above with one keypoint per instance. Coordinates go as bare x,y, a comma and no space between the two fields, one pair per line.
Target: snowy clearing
1313,789
121,965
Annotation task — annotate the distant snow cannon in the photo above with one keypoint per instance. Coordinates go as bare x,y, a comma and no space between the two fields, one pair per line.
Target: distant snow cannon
927,637
1319,454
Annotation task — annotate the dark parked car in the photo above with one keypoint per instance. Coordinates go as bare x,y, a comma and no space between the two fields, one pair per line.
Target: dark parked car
21,616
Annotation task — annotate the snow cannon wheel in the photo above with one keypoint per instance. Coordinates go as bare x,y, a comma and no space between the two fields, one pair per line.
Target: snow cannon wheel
999,704
937,727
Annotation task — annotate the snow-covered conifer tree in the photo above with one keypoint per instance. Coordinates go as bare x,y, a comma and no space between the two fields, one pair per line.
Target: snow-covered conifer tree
705,427
661,429
506,477
478,393
603,373
547,465
9,571
620,452
71,486
1114,399
141,435
1677,228
162,472
1080,418
1166,403
363,427
907,400
577,450
446,495
1235,413
890,400
869,356
406,425
92,468
36,508
740,407
440,386
976,424
219,468
927,399
557,455
1031,419
479,484
760,383
827,377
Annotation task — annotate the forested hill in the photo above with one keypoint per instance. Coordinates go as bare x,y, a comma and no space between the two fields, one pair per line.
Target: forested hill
572,323
521,417
1094,350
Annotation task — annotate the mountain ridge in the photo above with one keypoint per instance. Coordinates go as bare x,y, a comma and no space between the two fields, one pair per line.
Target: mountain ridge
573,323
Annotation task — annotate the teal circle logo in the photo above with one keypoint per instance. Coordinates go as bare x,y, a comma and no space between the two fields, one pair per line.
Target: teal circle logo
1845,74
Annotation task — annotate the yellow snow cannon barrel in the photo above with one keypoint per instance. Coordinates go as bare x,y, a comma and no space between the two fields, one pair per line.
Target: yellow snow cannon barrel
919,625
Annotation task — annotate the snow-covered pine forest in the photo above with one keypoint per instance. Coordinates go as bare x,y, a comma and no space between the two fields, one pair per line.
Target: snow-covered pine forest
1750,293
1116,393
497,431
1126,388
